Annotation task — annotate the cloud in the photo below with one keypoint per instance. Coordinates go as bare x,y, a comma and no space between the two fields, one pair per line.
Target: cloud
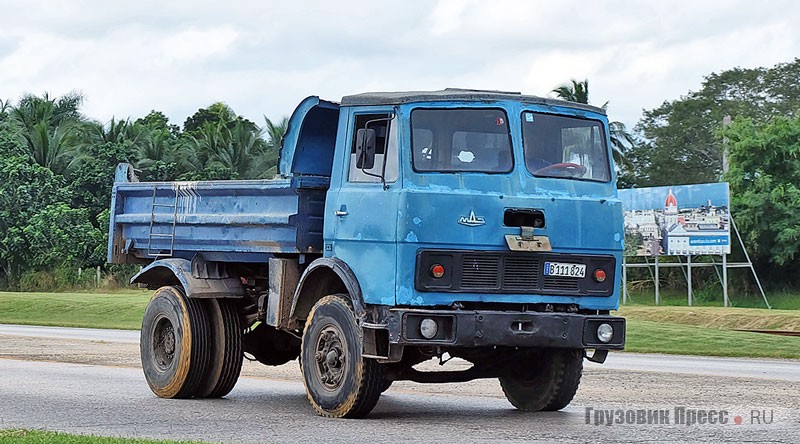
195,45
262,58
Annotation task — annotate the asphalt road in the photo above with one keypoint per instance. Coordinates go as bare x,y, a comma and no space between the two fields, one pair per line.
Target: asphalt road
97,399
785,370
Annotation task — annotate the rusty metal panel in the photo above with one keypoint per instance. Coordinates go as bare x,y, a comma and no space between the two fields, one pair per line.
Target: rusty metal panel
284,275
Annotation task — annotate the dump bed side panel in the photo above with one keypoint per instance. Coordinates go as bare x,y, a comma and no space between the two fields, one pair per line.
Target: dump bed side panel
231,221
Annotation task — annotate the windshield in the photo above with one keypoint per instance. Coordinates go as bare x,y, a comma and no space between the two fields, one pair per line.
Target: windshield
568,147
448,140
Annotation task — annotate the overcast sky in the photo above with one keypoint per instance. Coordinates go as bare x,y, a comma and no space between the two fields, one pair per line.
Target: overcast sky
262,57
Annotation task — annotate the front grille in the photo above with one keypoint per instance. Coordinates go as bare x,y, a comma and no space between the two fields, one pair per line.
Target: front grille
509,272
560,283
479,271
521,273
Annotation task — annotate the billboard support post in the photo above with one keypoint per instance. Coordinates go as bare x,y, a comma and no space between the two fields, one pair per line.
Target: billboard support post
750,263
726,302
656,281
689,279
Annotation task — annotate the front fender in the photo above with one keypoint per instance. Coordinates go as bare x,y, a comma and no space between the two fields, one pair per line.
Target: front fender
324,276
176,271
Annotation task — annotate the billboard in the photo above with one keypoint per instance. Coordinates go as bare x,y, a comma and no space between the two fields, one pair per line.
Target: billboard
679,220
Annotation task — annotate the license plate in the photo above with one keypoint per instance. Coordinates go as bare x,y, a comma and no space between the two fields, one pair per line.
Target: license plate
564,270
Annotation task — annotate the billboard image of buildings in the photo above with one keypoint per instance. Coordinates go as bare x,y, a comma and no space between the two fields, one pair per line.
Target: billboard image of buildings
679,220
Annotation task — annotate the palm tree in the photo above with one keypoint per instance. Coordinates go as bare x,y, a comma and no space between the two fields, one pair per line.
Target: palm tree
55,111
160,155
621,140
50,128
115,131
234,148
275,133
574,92
5,107
56,149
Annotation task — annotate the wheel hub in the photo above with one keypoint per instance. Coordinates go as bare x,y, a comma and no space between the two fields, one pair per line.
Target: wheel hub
330,357
169,342
163,343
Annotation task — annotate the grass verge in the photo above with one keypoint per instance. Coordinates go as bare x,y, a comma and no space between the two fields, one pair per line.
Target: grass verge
709,331
22,436
717,317
781,300
679,339
123,309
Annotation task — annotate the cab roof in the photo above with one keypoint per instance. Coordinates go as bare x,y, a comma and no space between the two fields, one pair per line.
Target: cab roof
456,94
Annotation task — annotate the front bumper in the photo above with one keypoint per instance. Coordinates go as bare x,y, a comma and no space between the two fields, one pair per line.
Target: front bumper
479,328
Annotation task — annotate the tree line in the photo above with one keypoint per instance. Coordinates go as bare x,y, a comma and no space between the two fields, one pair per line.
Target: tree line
57,165
57,170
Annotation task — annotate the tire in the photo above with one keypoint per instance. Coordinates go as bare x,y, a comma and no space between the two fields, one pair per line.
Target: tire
546,382
174,344
339,382
226,350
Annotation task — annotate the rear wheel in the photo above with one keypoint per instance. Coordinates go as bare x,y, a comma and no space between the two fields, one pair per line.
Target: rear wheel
340,383
547,380
226,349
174,344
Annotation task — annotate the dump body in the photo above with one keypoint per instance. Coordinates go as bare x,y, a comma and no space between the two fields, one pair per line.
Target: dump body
226,221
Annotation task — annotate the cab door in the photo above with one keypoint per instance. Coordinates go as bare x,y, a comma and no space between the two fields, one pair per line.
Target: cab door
363,210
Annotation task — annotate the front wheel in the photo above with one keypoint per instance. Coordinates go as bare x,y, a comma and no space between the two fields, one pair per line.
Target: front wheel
340,383
546,380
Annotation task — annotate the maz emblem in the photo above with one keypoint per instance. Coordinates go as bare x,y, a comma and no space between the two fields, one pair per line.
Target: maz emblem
472,220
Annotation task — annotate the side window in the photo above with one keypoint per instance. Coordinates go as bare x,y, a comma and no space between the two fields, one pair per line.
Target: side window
385,126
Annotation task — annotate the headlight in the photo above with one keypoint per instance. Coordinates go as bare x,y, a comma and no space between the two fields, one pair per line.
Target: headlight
428,328
605,333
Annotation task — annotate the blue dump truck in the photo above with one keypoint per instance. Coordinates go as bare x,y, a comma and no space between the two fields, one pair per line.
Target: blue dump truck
402,227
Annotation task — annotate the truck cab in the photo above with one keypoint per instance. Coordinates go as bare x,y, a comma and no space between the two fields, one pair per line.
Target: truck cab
471,199
480,225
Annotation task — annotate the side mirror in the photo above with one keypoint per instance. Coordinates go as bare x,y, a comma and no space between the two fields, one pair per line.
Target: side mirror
365,149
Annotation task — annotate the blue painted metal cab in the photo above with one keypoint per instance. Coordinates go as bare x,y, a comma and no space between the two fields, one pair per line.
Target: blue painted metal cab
460,185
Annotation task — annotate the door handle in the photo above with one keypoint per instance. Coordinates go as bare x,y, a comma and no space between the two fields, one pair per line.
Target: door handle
341,213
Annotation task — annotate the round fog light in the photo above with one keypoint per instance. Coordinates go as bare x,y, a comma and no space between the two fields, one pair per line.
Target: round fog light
605,333
428,328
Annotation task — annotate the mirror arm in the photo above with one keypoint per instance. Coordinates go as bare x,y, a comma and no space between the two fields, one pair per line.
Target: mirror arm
381,176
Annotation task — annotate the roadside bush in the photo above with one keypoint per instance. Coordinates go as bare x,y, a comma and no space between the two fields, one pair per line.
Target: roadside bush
708,292
60,279
37,281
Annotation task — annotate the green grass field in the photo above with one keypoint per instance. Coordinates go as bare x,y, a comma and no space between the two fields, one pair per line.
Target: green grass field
783,300
664,329
19,436
123,309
